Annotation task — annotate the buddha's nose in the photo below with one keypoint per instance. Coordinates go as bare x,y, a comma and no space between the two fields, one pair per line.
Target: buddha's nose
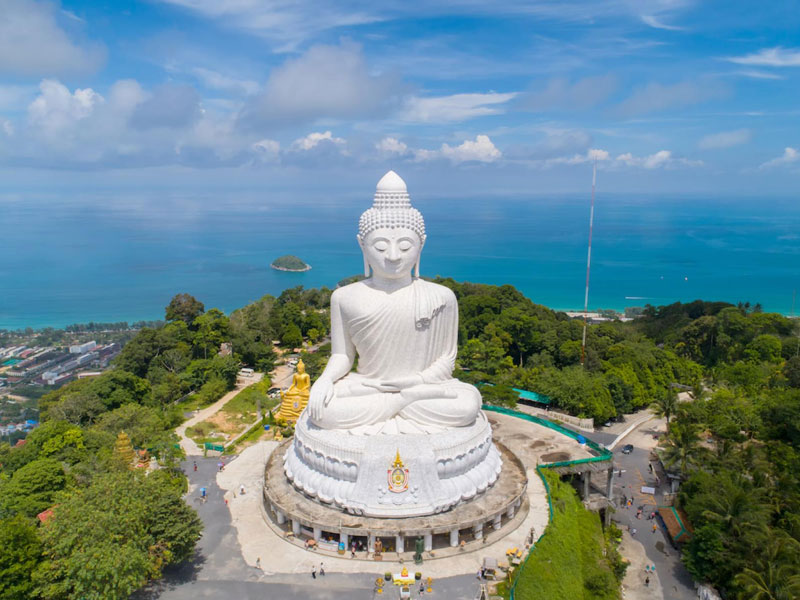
394,254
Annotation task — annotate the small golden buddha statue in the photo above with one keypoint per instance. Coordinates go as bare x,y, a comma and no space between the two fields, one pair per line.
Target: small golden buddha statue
294,399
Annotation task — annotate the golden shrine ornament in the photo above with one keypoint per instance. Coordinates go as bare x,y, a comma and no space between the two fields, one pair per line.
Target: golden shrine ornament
397,475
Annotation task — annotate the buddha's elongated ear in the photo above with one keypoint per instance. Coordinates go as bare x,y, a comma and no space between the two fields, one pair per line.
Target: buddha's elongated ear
364,254
416,266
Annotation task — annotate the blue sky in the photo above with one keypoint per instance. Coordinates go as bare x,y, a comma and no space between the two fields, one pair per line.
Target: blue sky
459,97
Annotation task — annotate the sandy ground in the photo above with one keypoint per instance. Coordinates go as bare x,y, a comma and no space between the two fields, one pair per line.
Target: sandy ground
257,539
188,445
633,585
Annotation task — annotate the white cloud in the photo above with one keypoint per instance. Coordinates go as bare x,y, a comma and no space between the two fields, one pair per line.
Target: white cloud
458,107
391,146
130,127
769,57
660,159
170,106
7,127
561,94
15,97
33,44
790,156
314,139
126,94
656,23
657,97
594,154
218,81
56,108
753,74
325,82
267,150
285,23
725,139
481,149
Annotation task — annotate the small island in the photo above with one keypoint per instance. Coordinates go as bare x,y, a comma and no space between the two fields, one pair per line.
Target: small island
290,263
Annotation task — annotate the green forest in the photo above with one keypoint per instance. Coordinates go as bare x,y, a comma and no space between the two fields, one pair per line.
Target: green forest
735,443
81,517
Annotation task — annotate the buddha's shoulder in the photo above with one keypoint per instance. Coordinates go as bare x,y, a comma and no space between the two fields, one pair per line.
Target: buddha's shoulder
361,289
346,293
442,291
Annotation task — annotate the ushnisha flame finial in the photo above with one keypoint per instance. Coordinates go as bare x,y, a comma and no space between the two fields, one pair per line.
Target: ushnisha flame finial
391,208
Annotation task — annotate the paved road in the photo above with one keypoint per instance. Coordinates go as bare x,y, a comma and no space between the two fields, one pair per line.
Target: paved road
218,570
676,582
189,446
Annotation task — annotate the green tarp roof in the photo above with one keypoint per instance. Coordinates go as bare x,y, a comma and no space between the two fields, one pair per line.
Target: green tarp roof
532,396
526,395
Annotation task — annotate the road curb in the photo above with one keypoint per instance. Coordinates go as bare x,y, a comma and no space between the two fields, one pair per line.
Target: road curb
622,435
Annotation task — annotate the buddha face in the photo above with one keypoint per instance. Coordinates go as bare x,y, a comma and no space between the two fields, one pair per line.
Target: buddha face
391,252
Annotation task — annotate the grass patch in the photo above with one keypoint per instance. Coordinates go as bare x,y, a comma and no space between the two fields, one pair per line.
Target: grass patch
201,433
255,434
573,559
245,402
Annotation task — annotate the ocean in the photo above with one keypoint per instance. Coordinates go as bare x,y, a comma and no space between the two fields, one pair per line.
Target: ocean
116,257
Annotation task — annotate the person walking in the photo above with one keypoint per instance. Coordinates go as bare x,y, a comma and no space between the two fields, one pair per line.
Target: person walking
258,563
655,527
195,465
314,572
321,570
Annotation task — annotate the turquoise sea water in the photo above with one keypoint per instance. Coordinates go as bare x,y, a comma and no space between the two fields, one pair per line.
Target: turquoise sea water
115,258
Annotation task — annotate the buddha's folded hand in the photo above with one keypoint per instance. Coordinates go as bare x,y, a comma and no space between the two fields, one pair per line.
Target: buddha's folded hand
395,385
321,394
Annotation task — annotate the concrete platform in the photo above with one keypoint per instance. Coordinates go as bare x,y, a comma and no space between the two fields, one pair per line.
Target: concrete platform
299,517
531,444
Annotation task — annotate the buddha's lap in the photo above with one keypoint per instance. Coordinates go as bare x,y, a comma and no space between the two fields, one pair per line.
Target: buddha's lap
458,399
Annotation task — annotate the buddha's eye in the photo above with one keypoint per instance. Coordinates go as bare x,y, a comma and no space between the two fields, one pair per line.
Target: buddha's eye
381,246
405,245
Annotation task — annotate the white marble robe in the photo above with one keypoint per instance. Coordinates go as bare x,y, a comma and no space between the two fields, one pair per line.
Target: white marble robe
411,331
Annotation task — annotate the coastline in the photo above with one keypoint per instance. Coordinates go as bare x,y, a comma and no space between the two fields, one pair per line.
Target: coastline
135,320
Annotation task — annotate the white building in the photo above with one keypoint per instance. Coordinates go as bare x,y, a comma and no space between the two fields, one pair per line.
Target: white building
82,348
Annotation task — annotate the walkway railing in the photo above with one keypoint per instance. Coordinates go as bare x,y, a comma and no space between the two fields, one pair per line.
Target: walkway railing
602,454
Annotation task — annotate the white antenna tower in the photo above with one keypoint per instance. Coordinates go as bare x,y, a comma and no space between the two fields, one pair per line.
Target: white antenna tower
588,265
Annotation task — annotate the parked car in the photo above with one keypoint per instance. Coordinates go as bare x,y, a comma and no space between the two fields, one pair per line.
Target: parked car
627,448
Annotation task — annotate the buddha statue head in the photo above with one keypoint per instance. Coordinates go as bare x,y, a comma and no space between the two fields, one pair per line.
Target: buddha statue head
301,367
391,233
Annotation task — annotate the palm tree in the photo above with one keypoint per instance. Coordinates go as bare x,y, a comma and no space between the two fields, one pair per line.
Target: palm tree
739,506
775,574
665,406
683,447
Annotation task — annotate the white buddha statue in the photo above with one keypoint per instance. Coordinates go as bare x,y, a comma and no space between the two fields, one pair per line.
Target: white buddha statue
399,436
403,329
